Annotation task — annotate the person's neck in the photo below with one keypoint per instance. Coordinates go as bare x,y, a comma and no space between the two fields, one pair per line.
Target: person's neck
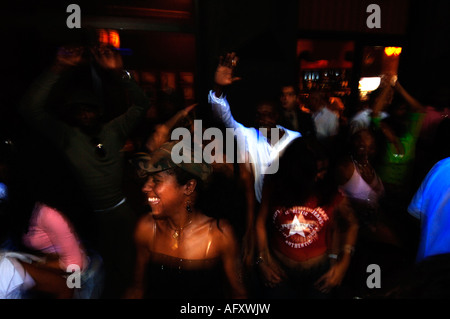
318,109
360,160
181,221
290,109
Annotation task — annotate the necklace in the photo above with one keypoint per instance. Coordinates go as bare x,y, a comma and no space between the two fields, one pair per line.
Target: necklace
177,232
365,169
360,164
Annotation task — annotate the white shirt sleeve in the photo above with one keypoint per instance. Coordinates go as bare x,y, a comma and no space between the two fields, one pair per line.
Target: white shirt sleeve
221,110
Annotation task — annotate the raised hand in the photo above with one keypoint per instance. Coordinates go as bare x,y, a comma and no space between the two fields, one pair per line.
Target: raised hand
68,56
107,57
225,70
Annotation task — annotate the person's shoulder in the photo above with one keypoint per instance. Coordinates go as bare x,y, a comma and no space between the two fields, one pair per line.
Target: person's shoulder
329,113
144,227
440,172
221,228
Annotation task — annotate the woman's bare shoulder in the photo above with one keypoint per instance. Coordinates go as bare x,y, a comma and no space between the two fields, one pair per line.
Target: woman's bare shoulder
223,230
144,227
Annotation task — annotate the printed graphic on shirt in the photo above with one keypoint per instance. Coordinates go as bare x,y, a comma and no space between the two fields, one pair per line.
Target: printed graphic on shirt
300,225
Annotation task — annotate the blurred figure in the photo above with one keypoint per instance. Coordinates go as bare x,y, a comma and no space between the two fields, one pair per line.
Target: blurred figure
257,143
431,206
326,121
428,278
432,143
162,132
378,241
93,151
436,111
306,232
397,137
231,194
293,118
362,118
44,249
401,130
360,183
181,251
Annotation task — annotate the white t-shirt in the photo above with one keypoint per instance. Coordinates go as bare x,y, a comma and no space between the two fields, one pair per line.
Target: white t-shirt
262,155
326,122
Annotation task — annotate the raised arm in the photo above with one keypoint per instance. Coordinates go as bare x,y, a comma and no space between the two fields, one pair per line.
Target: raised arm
110,59
416,106
223,77
64,239
33,105
384,98
162,131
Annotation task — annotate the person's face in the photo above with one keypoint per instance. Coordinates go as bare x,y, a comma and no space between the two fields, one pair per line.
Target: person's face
86,117
266,116
164,194
288,98
364,146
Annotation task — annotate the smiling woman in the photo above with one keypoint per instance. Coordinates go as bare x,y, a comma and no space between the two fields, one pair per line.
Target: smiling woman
182,252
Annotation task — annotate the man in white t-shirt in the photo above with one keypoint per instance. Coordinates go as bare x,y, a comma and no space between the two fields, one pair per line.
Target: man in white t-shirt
263,145
325,120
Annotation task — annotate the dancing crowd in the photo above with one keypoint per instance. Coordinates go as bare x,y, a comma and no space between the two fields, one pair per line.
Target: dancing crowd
96,203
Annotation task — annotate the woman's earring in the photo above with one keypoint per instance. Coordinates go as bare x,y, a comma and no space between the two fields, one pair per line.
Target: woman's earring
188,206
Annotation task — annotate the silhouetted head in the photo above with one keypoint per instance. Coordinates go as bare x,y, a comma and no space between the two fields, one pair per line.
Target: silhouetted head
84,108
316,101
267,115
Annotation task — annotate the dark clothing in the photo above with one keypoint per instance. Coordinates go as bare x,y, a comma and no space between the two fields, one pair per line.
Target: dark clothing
114,231
299,285
99,176
297,120
169,277
99,172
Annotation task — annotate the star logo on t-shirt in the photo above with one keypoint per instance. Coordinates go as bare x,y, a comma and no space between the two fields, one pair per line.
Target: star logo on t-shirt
298,226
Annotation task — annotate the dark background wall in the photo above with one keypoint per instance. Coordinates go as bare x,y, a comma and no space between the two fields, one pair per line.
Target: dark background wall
262,32
425,64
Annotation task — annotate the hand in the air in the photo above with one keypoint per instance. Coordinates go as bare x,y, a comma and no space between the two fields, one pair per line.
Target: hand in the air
68,56
225,70
107,57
